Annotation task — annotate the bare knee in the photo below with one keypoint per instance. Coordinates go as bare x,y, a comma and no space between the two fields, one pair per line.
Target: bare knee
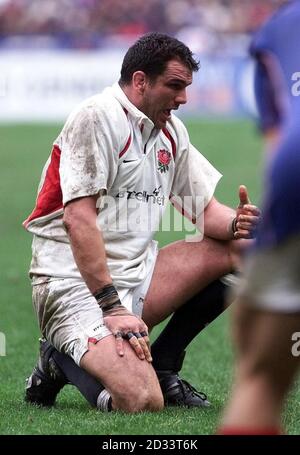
131,383
138,398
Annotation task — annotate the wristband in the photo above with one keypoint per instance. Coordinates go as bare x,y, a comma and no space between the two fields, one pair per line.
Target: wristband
233,225
107,297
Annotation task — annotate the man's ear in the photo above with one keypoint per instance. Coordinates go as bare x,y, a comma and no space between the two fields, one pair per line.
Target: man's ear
139,81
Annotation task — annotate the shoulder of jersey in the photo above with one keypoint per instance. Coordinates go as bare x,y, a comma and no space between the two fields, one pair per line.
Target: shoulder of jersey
105,107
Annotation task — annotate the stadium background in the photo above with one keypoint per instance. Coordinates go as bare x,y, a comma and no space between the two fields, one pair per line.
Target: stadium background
53,54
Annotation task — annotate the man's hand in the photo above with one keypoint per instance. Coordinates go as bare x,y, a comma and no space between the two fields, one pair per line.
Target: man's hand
125,325
247,217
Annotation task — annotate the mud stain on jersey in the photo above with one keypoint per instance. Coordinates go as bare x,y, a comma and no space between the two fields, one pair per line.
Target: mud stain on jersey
90,167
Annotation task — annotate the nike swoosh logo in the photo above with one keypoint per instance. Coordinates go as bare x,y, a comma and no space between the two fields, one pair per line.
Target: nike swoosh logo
128,161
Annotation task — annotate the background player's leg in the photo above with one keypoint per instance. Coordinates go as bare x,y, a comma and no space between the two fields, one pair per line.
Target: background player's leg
266,369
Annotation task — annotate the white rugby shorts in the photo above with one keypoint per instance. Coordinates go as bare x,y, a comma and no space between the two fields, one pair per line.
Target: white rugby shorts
69,315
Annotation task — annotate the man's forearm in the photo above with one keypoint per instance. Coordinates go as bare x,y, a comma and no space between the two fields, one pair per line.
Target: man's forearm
80,221
218,221
89,254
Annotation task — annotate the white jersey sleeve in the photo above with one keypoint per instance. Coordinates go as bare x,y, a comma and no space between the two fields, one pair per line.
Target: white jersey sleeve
90,144
195,178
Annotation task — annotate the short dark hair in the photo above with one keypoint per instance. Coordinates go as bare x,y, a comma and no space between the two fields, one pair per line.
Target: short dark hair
151,53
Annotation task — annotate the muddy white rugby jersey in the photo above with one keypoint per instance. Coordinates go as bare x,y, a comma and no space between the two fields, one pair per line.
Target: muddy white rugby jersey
108,147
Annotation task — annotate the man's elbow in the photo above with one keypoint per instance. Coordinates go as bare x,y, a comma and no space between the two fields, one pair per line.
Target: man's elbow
78,214
75,220
69,222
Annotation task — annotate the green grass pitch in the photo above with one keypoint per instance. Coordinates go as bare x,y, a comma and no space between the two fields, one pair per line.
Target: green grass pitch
234,147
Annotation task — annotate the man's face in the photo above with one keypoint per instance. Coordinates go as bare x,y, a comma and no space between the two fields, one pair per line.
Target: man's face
167,92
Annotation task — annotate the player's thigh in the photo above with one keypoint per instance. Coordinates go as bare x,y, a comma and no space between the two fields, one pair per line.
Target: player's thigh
182,269
127,379
265,344
68,315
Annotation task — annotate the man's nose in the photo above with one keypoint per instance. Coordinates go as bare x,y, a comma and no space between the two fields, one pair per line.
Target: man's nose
181,97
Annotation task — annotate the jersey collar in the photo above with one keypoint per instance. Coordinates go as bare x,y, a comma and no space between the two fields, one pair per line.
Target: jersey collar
145,124
131,108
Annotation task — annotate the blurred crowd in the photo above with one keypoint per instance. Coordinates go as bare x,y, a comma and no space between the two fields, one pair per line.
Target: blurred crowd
207,26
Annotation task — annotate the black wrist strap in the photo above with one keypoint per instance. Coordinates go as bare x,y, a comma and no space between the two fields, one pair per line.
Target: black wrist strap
107,297
233,225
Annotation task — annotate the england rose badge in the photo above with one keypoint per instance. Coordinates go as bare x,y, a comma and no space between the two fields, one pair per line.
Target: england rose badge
164,158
